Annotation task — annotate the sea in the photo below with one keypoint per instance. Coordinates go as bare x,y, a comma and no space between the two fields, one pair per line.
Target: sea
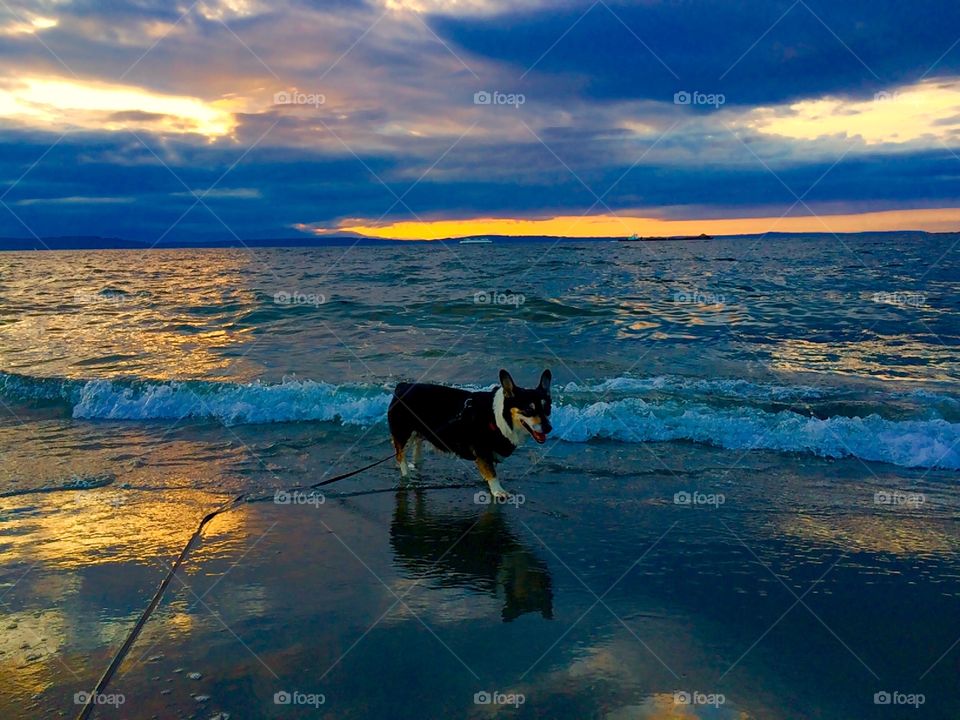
748,507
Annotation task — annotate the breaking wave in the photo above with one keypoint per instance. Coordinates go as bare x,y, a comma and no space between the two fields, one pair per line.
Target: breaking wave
912,430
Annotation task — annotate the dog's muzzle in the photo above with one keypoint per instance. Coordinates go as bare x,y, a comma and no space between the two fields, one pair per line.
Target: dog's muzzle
540,435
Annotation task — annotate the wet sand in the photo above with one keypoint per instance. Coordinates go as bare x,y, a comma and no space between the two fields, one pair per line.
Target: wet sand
783,589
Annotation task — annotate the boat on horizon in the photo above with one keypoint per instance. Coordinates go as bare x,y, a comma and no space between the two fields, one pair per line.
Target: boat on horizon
476,241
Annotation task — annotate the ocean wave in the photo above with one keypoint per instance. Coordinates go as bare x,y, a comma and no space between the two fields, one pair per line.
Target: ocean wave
908,443
685,414
231,403
722,387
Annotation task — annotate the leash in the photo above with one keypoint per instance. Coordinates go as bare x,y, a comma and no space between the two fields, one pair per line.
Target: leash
158,595
121,654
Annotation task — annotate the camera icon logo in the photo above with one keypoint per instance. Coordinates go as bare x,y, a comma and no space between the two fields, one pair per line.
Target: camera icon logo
482,698
682,697
81,698
282,98
682,98
482,497
482,97
882,698
282,698
281,497
682,498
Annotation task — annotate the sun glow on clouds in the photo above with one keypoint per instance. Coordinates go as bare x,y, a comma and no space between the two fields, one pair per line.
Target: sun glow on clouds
927,110
58,103
933,220
459,7
30,27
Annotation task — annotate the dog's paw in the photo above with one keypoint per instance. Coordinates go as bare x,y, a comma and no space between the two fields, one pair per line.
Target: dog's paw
498,492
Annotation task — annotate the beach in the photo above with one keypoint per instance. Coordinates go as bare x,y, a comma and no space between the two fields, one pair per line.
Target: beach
747,509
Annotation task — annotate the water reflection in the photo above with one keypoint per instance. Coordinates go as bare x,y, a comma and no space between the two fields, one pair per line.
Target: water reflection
466,550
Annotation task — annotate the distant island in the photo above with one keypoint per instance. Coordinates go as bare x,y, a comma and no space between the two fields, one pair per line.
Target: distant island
638,238
96,242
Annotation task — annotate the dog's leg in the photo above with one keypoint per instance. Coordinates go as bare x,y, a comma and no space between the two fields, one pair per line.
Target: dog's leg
417,452
489,473
399,450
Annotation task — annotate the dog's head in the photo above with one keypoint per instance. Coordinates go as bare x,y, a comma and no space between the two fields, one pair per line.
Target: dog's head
526,409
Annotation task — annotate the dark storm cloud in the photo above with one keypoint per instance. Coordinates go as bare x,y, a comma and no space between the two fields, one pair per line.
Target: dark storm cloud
310,188
753,51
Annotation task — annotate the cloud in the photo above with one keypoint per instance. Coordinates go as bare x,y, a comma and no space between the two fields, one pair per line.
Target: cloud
463,8
926,111
31,25
58,104
76,200
221,193
166,98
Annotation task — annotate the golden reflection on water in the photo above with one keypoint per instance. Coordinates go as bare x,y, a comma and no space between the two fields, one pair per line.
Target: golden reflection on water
623,664
146,315
663,706
891,531
74,530
30,651
890,358
133,536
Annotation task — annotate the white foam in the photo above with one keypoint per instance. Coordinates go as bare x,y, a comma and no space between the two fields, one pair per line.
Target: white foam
289,401
910,443
923,440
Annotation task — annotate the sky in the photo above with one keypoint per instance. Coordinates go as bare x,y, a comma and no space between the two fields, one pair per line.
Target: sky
168,121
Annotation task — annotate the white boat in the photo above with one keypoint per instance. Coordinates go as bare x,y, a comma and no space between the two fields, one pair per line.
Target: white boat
476,241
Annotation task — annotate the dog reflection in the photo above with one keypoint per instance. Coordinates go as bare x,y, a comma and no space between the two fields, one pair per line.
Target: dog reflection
476,552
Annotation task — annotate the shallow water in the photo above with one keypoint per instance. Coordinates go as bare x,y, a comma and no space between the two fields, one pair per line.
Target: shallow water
801,395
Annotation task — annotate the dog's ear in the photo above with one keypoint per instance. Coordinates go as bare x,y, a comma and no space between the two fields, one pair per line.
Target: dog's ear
506,382
545,381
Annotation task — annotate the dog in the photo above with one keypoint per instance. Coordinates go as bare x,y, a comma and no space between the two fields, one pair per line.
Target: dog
485,427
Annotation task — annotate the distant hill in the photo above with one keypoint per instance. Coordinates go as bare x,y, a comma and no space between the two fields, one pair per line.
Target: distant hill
96,242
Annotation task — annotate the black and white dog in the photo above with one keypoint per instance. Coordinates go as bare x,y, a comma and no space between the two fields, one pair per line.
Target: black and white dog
484,427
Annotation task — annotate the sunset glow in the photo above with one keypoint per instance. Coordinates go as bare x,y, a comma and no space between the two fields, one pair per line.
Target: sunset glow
932,220
60,103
